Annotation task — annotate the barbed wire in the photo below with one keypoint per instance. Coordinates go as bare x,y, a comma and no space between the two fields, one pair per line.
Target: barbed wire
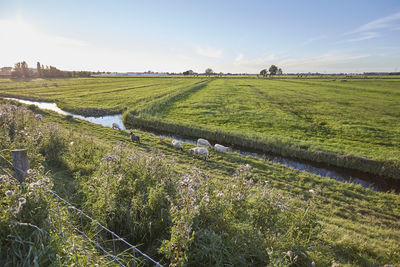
81,230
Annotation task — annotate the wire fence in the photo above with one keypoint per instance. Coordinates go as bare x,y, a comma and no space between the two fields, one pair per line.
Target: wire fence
67,220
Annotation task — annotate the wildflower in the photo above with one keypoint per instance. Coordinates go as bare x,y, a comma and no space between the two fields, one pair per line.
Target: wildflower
206,198
220,194
239,196
41,168
21,201
289,254
282,207
9,193
313,264
71,143
191,191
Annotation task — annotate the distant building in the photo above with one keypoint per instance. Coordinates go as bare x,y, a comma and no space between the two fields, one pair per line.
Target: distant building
5,72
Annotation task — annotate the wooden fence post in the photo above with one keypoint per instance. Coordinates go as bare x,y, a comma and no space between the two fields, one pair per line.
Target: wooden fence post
21,163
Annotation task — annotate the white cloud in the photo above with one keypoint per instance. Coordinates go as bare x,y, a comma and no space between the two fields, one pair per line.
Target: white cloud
371,29
314,39
362,37
209,51
239,57
382,23
255,63
329,58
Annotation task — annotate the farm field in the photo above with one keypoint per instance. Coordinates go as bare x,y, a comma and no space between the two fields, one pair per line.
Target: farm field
87,96
352,123
334,222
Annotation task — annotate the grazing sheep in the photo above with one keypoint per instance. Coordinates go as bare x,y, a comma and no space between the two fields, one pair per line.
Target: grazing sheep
177,144
38,117
203,142
134,137
200,151
116,126
221,148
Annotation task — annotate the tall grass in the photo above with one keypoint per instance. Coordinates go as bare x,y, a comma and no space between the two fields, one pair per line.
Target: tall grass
142,196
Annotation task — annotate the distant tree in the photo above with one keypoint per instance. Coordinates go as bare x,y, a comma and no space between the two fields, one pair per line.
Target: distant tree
21,70
263,72
209,71
273,69
39,69
188,72
280,72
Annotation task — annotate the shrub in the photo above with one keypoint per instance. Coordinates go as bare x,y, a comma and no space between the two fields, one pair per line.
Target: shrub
54,146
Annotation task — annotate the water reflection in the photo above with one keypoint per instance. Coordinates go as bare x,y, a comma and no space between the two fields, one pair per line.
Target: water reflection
105,120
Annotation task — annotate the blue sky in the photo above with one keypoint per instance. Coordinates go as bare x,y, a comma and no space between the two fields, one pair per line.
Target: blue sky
228,36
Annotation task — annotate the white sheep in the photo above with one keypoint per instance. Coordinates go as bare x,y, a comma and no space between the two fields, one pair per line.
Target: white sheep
203,142
38,117
200,151
177,144
221,148
116,126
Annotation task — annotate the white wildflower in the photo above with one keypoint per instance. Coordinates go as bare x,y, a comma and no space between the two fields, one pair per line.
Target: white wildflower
289,254
9,193
21,201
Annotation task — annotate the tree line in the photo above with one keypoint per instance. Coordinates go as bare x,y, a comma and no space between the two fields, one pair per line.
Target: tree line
21,70
273,70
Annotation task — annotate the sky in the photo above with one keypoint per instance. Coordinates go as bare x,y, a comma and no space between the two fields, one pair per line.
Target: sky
351,36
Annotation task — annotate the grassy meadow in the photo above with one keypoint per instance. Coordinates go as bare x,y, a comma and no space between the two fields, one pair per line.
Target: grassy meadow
347,122
91,96
182,210
351,123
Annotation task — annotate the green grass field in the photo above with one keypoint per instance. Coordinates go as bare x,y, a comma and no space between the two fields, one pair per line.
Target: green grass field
114,95
347,122
355,226
352,123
